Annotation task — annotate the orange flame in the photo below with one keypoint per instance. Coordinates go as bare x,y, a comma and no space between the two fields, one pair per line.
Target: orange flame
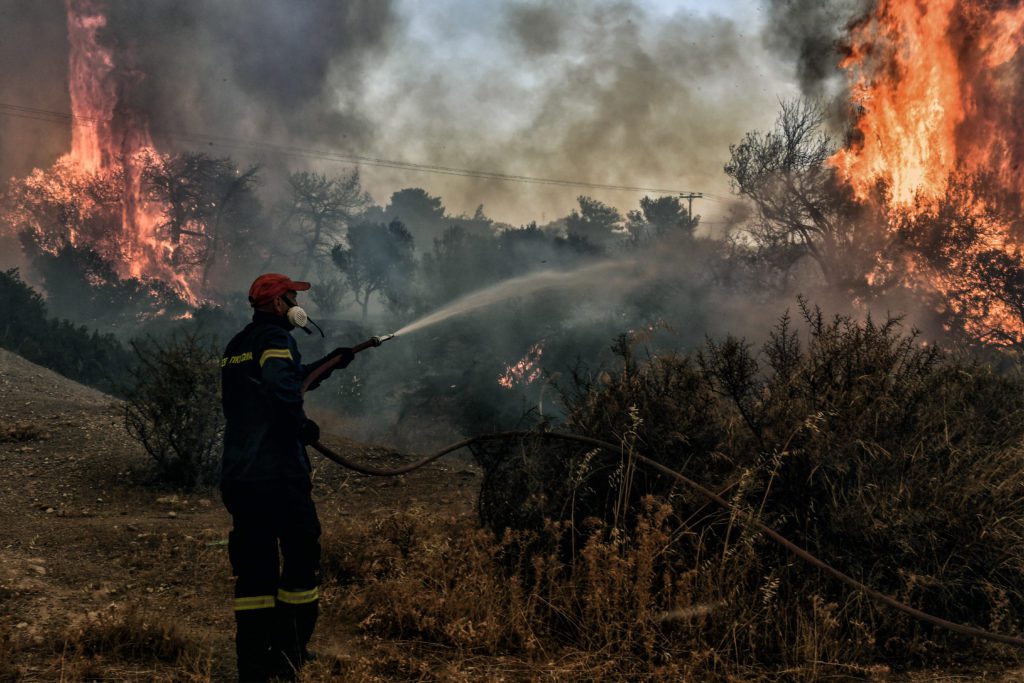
937,92
936,84
526,371
111,148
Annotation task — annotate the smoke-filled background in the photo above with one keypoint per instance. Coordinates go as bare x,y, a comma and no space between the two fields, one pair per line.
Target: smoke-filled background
643,94
671,171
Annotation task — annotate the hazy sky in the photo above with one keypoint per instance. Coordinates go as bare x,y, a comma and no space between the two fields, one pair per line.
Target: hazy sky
646,93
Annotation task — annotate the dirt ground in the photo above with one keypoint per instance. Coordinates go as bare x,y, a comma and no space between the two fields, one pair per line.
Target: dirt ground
85,533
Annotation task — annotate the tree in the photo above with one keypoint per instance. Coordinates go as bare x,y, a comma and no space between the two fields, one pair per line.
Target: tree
800,205
478,224
422,214
330,289
63,205
201,196
83,285
28,330
957,245
318,211
595,222
377,260
659,217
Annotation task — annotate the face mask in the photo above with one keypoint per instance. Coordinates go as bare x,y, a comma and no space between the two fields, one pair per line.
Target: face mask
297,316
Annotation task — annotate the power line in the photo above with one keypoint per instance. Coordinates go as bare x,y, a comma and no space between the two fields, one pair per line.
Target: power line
51,116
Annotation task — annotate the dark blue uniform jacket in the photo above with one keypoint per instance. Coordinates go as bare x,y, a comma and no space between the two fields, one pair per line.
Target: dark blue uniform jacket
261,381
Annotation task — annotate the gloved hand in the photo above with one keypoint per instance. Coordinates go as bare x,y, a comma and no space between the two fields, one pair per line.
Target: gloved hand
343,354
309,432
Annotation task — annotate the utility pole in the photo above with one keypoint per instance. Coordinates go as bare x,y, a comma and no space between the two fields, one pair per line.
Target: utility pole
690,196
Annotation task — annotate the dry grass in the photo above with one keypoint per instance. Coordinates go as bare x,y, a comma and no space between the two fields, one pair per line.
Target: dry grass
123,644
653,604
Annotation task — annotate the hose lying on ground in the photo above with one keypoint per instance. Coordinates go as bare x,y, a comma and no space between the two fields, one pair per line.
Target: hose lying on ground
710,495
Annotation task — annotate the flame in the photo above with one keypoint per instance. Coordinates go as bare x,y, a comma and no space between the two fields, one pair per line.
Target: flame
938,98
111,148
526,371
936,86
112,138
93,93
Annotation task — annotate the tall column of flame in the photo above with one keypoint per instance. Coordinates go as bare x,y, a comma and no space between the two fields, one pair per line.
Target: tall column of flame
938,88
93,92
937,91
110,137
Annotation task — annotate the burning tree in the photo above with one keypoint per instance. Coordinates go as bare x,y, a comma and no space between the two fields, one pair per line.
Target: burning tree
203,198
63,205
801,207
926,192
935,90
93,198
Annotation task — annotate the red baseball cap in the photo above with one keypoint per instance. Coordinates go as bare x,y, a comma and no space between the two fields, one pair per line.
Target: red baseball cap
269,286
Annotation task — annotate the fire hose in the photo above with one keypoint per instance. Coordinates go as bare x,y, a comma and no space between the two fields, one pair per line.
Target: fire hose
332,363
748,517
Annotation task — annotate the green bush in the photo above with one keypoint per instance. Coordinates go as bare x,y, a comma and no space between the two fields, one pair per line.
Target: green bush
98,360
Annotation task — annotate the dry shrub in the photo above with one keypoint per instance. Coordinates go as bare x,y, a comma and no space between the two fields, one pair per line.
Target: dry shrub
107,645
173,410
895,461
898,463
22,431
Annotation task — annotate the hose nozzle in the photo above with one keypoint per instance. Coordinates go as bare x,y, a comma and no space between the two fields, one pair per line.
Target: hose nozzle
371,342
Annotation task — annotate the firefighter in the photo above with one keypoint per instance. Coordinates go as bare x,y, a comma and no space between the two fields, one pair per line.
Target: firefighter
274,545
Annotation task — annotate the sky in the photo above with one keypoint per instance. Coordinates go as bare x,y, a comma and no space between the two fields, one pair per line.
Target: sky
644,93
647,94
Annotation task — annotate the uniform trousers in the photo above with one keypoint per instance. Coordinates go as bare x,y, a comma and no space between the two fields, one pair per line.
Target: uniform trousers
274,549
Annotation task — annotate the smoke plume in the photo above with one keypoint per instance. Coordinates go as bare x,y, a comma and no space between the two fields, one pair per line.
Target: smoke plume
809,34
608,91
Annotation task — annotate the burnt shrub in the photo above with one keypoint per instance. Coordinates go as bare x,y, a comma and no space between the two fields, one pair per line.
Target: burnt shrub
173,408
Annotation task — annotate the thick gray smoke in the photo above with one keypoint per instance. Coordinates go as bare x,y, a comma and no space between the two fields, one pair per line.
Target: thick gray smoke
809,34
610,91
284,71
